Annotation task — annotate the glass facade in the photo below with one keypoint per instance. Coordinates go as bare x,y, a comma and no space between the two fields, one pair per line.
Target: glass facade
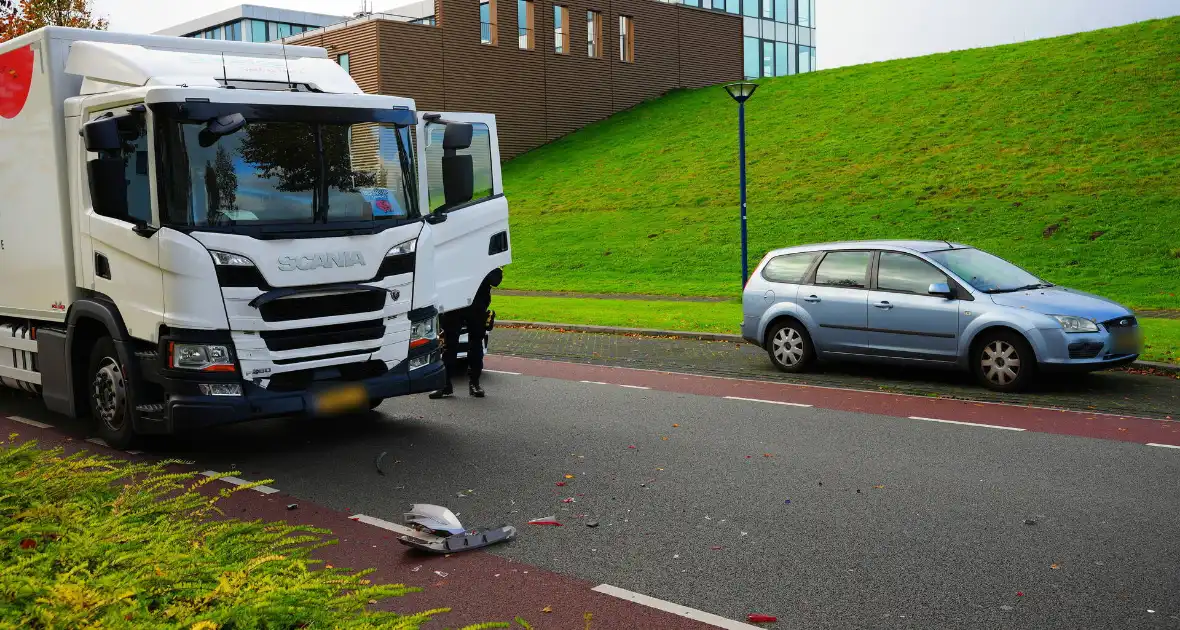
779,35
247,30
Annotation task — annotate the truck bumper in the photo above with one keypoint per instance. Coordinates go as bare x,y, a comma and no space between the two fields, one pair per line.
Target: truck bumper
187,412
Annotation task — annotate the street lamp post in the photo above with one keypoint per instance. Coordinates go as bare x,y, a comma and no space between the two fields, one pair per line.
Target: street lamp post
741,92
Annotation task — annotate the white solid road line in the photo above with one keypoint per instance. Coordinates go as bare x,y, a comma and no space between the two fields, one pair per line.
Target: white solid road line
98,441
1163,445
675,609
32,423
503,372
384,524
968,424
615,384
769,402
241,482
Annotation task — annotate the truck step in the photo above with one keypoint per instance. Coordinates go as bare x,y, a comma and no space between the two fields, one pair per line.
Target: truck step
147,355
151,408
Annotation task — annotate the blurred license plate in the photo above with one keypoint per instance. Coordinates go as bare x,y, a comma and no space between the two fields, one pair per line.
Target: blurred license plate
1126,344
342,400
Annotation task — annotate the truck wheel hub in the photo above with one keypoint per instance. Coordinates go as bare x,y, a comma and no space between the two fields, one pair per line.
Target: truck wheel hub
109,394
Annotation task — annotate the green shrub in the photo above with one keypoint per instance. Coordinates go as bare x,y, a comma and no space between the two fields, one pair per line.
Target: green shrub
88,541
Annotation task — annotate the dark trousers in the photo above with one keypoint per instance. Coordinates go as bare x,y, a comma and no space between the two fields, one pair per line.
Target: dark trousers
475,320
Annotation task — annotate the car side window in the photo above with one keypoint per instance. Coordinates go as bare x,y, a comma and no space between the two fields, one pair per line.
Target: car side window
906,274
788,268
844,269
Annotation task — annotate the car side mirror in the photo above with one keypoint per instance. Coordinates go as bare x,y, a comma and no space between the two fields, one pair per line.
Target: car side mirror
941,289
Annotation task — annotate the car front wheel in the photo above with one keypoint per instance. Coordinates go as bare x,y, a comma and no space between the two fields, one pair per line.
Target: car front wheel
1004,362
789,347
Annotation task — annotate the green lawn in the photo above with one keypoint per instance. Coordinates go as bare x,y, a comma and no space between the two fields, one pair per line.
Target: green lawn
1062,155
1162,335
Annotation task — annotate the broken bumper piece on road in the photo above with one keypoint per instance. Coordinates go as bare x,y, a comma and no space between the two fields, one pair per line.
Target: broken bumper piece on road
438,530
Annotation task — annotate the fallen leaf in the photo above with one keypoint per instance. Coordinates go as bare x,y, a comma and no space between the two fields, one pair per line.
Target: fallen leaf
676,426
1054,566
569,476
664,438
561,483
547,609
28,543
879,486
372,601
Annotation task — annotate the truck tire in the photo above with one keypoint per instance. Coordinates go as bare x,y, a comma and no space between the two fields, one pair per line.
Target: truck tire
110,396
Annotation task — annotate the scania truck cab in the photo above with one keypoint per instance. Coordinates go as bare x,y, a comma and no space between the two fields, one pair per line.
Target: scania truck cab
197,232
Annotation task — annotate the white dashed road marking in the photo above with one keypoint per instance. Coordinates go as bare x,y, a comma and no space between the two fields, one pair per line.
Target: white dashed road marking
503,372
241,482
969,424
615,384
769,402
32,423
1163,445
384,524
675,609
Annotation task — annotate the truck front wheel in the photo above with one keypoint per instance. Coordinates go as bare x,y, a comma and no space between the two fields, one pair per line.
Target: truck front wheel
110,395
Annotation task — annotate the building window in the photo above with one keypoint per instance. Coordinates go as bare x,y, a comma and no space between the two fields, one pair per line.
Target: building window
272,31
343,60
733,6
767,59
487,22
594,34
258,28
626,39
804,12
780,10
750,8
524,24
750,57
806,59
781,67
561,29
284,30
768,9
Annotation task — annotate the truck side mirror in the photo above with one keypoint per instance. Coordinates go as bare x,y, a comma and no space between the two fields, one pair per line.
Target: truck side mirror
102,134
108,187
458,174
456,136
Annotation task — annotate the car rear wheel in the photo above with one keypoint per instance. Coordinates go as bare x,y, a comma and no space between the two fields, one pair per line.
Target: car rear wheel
789,347
1004,362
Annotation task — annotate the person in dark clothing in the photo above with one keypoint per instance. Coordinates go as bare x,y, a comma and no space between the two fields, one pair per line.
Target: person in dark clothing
475,319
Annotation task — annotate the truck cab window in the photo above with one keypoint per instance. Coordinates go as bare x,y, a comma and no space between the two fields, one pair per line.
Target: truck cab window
481,158
139,197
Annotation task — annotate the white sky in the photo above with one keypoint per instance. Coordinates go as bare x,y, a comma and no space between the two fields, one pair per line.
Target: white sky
850,31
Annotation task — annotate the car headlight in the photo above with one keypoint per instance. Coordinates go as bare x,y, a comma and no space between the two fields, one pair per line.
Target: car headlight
423,331
200,357
408,247
226,259
1074,324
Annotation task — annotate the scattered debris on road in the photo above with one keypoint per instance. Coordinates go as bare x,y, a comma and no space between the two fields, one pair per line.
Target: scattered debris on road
441,574
438,530
548,520
760,618
292,506
591,523
560,483
377,462
568,476
547,609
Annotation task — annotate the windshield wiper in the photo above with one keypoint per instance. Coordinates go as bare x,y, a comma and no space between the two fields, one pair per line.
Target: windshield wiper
1027,287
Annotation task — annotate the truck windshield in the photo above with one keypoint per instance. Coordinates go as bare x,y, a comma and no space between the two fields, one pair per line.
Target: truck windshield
289,171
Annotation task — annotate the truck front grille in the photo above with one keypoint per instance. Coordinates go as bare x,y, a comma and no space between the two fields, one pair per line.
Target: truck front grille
299,338
291,308
307,379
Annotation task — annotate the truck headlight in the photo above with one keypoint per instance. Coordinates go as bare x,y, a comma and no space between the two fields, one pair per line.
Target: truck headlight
200,357
423,332
226,259
1074,324
408,247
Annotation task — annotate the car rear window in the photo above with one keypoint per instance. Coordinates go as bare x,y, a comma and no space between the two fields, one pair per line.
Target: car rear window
844,269
788,268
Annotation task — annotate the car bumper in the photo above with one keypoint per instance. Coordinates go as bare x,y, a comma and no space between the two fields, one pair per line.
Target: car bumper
1058,351
186,412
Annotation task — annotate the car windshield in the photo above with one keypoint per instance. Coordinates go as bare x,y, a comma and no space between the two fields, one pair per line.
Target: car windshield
986,272
289,171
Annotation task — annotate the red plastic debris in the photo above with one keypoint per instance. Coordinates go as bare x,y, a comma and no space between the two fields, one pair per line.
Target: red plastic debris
568,500
631,446
28,543
560,483
716,547
1019,593
757,618
548,520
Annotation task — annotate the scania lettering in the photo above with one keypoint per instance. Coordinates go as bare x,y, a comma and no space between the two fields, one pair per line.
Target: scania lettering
197,232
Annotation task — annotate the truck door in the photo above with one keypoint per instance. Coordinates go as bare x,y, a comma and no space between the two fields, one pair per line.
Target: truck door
470,237
124,254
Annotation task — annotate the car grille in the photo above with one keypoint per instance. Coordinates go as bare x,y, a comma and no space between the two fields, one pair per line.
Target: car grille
279,340
1120,323
291,308
1085,349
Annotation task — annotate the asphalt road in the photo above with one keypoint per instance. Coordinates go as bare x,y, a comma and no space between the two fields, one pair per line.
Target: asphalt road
891,522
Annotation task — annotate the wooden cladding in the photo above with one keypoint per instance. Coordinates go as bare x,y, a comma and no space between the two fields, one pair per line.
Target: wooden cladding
537,95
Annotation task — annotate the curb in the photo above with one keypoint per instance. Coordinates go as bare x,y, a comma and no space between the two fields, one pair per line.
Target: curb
682,334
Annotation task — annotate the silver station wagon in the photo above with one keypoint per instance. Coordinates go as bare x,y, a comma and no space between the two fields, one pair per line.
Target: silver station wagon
929,303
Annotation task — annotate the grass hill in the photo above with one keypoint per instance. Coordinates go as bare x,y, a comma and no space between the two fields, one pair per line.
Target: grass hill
1062,155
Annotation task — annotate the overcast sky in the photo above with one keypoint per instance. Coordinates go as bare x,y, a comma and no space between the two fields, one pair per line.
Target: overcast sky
850,31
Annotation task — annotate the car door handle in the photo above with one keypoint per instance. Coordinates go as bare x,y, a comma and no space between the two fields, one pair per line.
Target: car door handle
811,298
884,305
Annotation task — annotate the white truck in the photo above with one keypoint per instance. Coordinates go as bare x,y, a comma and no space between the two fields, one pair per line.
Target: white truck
197,232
